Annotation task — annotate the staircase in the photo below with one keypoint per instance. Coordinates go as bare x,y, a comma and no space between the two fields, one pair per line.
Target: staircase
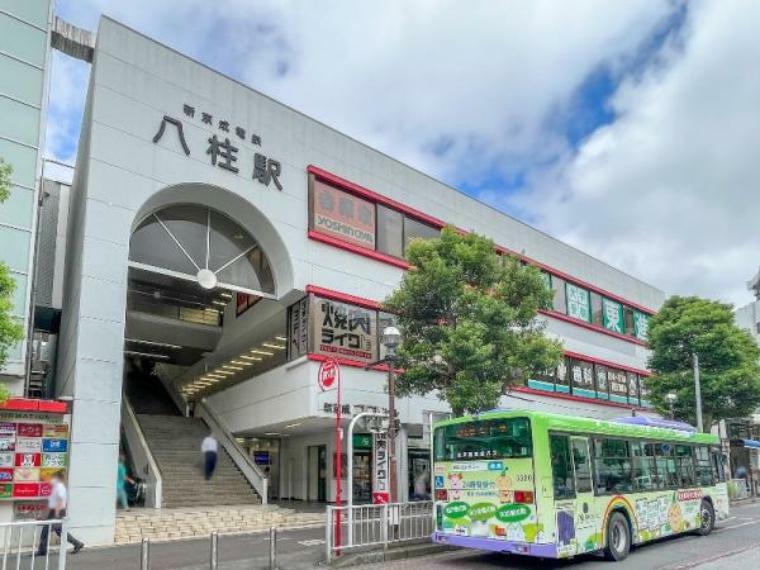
175,442
172,524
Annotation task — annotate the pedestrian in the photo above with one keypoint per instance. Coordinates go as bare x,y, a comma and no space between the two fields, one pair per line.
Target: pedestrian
57,501
121,482
210,449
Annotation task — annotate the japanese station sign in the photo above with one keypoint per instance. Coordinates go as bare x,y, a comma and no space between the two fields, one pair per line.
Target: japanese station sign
222,149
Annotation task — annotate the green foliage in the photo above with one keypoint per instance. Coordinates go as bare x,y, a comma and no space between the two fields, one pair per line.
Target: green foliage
729,360
11,330
475,309
5,180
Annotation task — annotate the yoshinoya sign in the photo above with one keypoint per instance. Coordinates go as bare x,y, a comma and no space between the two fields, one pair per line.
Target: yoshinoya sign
222,149
342,215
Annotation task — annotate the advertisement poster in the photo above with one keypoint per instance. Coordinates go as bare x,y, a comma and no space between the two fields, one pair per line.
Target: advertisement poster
613,316
32,449
343,330
343,215
578,302
380,468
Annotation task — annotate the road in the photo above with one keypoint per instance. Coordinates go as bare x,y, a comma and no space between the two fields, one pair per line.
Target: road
733,545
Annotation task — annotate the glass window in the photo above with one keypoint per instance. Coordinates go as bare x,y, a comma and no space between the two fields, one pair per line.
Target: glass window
612,460
685,463
582,375
18,307
643,391
21,81
562,467
644,469
390,231
15,248
582,464
628,317
602,389
22,41
596,309
618,382
547,279
563,373
719,473
414,229
704,466
23,159
667,474
633,388
613,316
18,208
20,122
578,302
559,304
486,439
342,215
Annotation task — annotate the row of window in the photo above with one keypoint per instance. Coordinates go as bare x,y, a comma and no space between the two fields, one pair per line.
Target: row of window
591,380
345,216
580,303
614,466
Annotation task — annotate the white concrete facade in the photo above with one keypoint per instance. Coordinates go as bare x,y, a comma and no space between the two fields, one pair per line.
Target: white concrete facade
122,175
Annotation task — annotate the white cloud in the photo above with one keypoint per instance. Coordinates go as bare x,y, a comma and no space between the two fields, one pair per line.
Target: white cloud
670,191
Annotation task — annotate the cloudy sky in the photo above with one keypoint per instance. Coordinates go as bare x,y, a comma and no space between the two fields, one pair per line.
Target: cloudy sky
628,129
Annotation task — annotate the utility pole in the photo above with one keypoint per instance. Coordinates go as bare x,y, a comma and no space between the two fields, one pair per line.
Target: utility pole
697,391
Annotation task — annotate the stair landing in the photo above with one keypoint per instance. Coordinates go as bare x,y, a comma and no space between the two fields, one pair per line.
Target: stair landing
174,524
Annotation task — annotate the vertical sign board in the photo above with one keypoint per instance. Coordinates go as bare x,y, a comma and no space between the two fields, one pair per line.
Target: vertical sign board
380,479
33,447
298,328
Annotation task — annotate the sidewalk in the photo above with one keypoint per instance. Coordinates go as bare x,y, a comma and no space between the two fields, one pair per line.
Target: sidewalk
297,549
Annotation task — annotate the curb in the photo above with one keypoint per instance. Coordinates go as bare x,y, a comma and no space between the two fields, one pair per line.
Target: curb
393,553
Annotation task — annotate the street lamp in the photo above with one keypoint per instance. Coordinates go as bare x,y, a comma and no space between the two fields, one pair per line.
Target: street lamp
671,398
391,340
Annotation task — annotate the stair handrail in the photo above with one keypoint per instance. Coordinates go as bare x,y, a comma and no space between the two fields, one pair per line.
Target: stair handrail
247,466
171,389
142,456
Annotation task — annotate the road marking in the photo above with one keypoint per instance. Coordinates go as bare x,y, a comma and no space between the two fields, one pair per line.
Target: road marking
315,542
724,528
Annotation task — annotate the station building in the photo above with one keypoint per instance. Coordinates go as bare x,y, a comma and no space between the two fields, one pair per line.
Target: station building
221,245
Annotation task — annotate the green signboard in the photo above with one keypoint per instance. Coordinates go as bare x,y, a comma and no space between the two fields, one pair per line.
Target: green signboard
612,316
578,302
362,441
640,325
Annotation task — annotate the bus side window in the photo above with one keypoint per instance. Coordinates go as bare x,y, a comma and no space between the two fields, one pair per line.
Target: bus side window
719,473
612,462
704,467
562,467
666,466
685,463
582,464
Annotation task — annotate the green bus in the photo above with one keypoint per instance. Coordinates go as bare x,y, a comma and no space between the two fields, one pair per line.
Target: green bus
556,486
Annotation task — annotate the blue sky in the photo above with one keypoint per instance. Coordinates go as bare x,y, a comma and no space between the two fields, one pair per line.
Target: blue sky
584,118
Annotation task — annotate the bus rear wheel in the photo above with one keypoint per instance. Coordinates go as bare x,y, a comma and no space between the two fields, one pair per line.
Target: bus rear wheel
618,537
707,514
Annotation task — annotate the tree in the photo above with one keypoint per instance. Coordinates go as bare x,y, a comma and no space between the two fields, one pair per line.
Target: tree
10,330
476,310
729,360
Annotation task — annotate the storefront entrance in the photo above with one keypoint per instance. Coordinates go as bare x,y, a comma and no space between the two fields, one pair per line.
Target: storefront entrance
317,473
419,474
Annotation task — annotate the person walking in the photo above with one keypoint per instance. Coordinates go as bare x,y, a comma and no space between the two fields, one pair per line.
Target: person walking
57,502
121,482
210,449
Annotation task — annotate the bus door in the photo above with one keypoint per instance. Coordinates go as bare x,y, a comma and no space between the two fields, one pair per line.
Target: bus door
586,520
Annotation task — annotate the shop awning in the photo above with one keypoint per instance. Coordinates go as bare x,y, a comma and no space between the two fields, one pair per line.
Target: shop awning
751,443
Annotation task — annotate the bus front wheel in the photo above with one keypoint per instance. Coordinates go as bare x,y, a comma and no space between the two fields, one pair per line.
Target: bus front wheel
707,514
618,537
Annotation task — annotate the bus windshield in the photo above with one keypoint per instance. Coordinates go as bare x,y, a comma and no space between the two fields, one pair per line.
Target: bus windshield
484,439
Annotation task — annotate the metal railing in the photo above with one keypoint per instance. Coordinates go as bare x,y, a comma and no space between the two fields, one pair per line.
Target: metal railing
375,526
142,457
20,542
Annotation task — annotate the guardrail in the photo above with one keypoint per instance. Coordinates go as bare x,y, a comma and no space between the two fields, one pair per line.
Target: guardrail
248,468
20,542
142,457
375,526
